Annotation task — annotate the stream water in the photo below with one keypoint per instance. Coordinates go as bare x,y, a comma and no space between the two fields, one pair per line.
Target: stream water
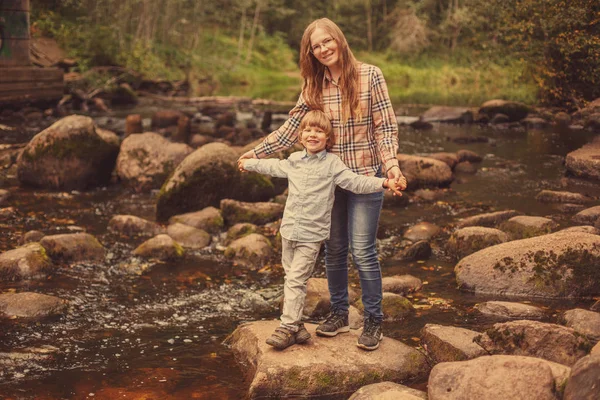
159,335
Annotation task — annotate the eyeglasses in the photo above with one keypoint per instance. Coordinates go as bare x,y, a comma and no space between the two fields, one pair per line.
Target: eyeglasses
327,43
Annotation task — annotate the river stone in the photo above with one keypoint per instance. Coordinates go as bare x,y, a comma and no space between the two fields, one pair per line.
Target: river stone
239,230
388,391
322,367
536,339
584,322
584,382
497,377
562,119
166,118
395,307
420,250
318,302
31,305
468,155
109,137
583,229
252,250
208,219
451,159
456,115
73,247
490,220
188,236
355,318
401,284
449,343
424,172
32,236
471,239
465,167
130,225
146,160
596,350
525,226
27,262
589,216
205,177
510,310
162,247
500,119
421,231
68,155
561,264
255,213
585,161
551,196
7,213
514,110
4,196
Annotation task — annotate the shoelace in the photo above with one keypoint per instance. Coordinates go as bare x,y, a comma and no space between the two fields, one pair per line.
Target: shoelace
370,326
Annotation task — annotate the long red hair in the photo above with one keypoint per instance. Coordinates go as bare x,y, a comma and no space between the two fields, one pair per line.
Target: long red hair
313,71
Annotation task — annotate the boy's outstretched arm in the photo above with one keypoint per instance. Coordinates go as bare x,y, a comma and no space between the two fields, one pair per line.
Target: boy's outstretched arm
271,166
361,184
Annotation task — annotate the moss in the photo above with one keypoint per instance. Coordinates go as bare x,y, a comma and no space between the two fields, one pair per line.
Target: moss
179,251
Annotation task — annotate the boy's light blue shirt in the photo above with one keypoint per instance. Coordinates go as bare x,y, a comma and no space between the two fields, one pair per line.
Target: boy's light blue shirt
311,184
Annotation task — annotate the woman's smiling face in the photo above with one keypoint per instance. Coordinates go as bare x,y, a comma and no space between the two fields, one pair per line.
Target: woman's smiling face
325,48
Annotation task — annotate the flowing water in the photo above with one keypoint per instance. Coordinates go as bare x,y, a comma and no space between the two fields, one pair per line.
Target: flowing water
159,334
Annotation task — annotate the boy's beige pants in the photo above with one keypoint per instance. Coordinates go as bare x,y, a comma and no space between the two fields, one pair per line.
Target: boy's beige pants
298,259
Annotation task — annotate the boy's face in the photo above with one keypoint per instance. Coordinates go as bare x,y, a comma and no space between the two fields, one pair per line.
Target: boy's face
314,139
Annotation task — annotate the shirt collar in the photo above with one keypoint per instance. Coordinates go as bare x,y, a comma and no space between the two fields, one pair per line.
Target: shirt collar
320,155
327,77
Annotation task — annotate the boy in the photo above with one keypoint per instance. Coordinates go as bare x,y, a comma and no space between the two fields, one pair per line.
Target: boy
312,176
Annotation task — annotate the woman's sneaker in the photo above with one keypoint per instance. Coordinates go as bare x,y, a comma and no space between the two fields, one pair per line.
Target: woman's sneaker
371,335
334,324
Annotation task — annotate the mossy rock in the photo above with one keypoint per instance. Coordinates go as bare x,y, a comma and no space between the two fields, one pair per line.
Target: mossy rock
161,247
395,307
514,110
207,176
27,262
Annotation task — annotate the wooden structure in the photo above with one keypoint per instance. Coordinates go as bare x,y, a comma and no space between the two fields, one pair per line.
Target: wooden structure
19,81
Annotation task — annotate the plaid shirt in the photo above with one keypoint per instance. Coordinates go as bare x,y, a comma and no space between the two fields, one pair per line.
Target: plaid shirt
362,145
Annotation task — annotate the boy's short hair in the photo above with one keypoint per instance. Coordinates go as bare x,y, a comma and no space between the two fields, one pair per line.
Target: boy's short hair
319,119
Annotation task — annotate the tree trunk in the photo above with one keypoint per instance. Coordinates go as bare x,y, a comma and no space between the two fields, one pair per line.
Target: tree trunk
242,34
369,26
253,30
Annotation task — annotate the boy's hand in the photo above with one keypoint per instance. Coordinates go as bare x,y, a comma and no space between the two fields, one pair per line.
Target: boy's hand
395,174
392,186
240,164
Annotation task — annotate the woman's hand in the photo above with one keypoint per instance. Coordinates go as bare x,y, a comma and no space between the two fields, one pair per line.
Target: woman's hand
247,155
391,185
395,174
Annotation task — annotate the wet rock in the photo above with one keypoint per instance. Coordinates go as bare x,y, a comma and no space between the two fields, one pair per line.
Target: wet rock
513,110
551,196
32,236
188,236
318,301
424,172
401,284
421,231
561,264
465,167
562,119
166,118
395,307
568,208
536,339
256,303
584,382
182,134
430,195
69,155
207,176
524,226
209,219
468,155
256,213
4,195
509,310
497,377
239,230
31,305
592,123
146,160
449,343
488,219
27,262
387,391
584,322
322,367
162,247
420,250
7,213
130,225
589,216
455,115
585,161
133,124
535,123
253,250
471,239
500,119
451,159
73,247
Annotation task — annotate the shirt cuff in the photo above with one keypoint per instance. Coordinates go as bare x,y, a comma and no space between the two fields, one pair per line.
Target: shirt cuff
250,162
389,164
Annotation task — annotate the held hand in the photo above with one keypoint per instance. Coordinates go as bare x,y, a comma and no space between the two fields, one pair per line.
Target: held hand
247,155
396,175
240,164
393,187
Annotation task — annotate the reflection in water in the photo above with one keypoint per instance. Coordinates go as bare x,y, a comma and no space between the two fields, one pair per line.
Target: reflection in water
159,335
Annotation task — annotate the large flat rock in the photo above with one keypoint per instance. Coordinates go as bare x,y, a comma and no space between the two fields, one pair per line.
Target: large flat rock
585,162
331,368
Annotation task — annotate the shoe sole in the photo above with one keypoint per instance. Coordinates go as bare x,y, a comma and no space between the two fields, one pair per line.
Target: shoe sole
371,348
301,340
343,329
277,345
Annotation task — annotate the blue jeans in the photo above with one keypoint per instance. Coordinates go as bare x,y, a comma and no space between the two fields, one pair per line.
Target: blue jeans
354,221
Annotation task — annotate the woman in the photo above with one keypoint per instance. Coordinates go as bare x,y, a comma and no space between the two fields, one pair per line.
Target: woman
354,96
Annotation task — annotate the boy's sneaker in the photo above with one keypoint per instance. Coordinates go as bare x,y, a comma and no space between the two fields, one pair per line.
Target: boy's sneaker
282,338
334,324
371,335
302,335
